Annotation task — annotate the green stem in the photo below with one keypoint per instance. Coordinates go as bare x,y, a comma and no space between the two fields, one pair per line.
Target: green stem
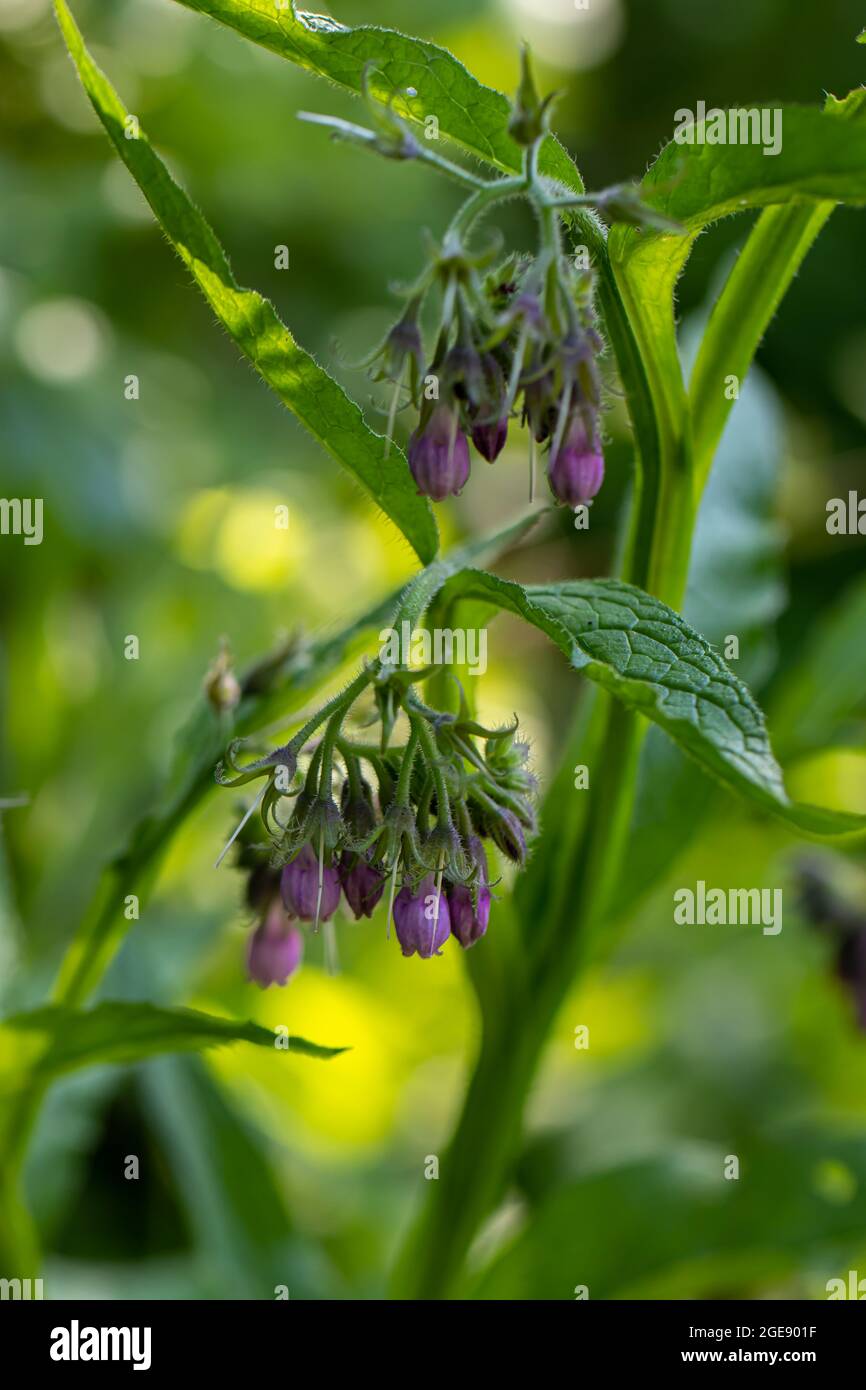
433,760
475,1171
481,200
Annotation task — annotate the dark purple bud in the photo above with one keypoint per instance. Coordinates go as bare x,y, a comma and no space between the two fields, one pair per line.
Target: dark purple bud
469,904
439,455
576,472
362,884
489,439
490,420
468,923
299,887
415,919
275,948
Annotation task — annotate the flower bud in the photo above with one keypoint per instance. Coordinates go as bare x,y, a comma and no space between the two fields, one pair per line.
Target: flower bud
299,887
489,439
506,832
469,907
221,685
490,421
358,812
576,472
403,344
415,919
362,884
274,949
528,120
439,454
468,923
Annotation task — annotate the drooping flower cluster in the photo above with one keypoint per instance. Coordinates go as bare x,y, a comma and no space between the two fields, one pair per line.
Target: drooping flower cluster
519,341
348,821
514,339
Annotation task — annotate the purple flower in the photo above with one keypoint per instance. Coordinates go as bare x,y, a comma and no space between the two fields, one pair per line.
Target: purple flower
415,919
439,454
576,471
362,884
299,887
275,948
468,922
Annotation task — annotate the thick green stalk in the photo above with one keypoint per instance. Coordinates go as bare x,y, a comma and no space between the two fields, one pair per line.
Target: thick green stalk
476,1168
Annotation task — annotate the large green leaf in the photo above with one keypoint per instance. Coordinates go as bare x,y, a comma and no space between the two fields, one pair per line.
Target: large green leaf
822,159
66,1039
418,78
322,406
649,658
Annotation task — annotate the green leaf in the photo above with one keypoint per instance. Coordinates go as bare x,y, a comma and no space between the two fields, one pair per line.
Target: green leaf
696,185
812,710
119,1033
773,253
650,659
317,401
417,78
220,1166
629,1232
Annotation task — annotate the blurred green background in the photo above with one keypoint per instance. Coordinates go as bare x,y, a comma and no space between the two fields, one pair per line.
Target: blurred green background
159,522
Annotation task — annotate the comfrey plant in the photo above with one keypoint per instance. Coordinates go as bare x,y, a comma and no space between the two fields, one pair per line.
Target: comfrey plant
508,341
414,814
